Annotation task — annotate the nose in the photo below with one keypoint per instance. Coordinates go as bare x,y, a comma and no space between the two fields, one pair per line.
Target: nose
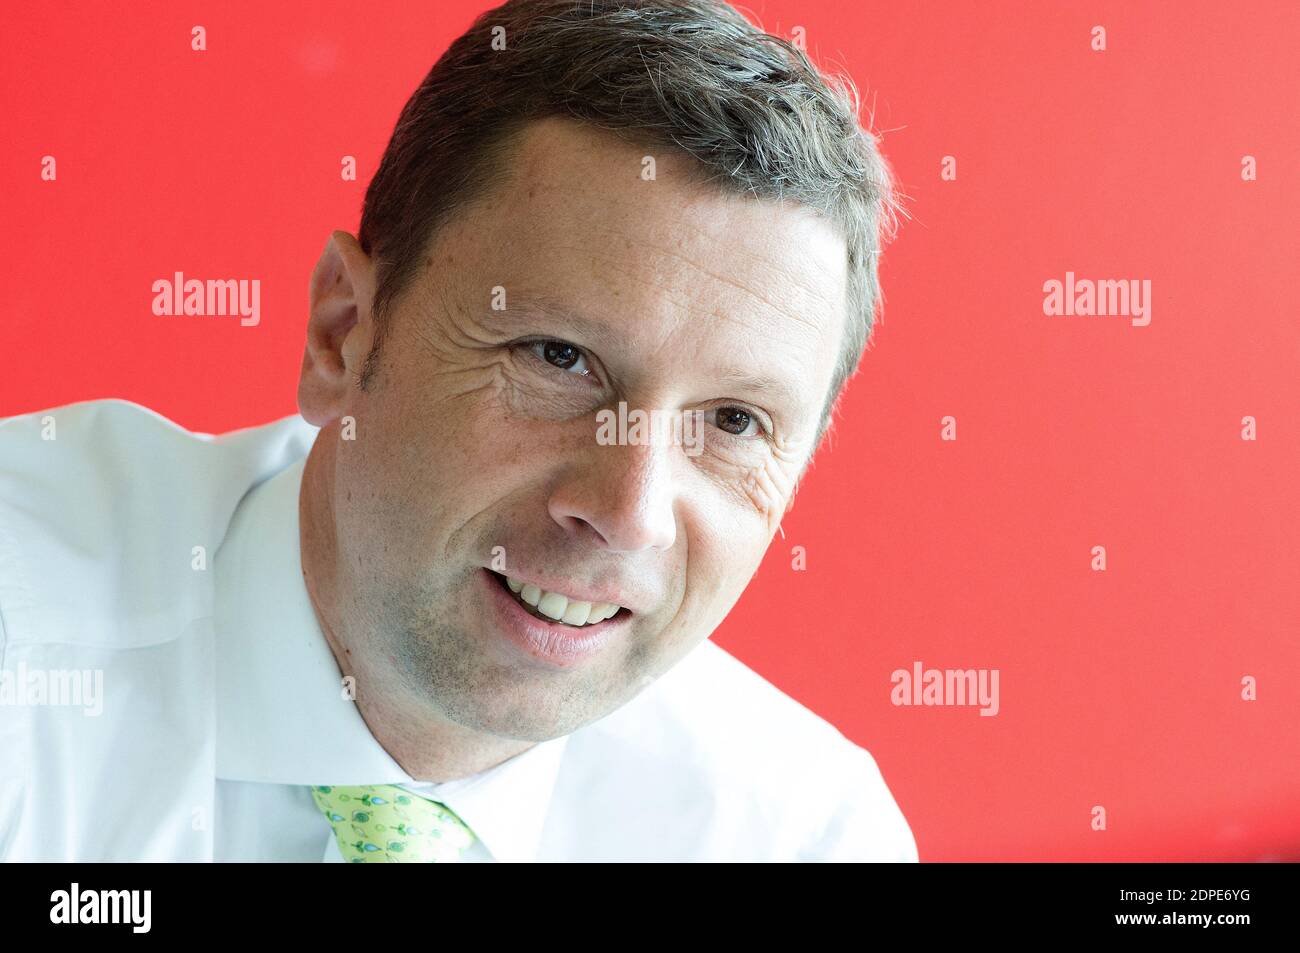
619,498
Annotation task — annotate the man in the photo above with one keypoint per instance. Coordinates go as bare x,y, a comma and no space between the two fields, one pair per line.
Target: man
461,610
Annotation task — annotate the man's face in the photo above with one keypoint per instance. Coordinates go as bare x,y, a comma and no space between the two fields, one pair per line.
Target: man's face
479,444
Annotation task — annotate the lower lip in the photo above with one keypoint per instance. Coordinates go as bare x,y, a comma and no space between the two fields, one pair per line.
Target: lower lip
557,645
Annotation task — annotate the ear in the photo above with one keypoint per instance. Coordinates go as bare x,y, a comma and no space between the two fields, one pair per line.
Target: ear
340,329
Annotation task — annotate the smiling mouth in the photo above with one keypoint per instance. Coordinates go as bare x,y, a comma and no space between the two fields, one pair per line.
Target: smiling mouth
555,607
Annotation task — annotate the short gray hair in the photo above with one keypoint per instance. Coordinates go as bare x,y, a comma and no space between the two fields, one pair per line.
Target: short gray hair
691,74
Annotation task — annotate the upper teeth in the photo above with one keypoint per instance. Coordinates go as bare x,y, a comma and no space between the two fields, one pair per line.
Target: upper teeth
556,605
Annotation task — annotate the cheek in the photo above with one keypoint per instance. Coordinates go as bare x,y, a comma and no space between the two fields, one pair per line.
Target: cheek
757,496
724,554
762,489
497,393
733,523
754,487
506,429
470,420
427,458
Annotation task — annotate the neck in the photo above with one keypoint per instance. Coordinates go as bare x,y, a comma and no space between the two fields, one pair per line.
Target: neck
426,744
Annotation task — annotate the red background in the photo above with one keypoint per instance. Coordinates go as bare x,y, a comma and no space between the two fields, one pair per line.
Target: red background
1119,688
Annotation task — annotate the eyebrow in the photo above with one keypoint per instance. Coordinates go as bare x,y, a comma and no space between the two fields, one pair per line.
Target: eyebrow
522,303
778,388
552,308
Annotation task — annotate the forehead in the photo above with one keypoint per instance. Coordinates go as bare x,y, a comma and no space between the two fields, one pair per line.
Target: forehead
628,234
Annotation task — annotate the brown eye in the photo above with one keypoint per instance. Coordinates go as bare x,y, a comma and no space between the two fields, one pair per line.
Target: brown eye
562,355
733,420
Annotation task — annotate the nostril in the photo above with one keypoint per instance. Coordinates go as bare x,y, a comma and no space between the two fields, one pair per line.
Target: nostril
580,529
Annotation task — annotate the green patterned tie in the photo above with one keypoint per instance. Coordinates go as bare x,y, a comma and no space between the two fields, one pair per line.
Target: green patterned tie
384,824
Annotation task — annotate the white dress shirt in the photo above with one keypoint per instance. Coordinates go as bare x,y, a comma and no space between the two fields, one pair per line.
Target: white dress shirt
165,564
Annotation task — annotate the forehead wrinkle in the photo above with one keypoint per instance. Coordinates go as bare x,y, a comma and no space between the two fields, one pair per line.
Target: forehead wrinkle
822,321
550,305
656,285
774,261
788,276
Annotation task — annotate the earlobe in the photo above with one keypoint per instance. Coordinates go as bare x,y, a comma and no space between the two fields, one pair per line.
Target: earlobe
338,330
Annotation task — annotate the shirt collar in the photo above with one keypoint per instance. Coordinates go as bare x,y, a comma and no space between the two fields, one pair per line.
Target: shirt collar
282,713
